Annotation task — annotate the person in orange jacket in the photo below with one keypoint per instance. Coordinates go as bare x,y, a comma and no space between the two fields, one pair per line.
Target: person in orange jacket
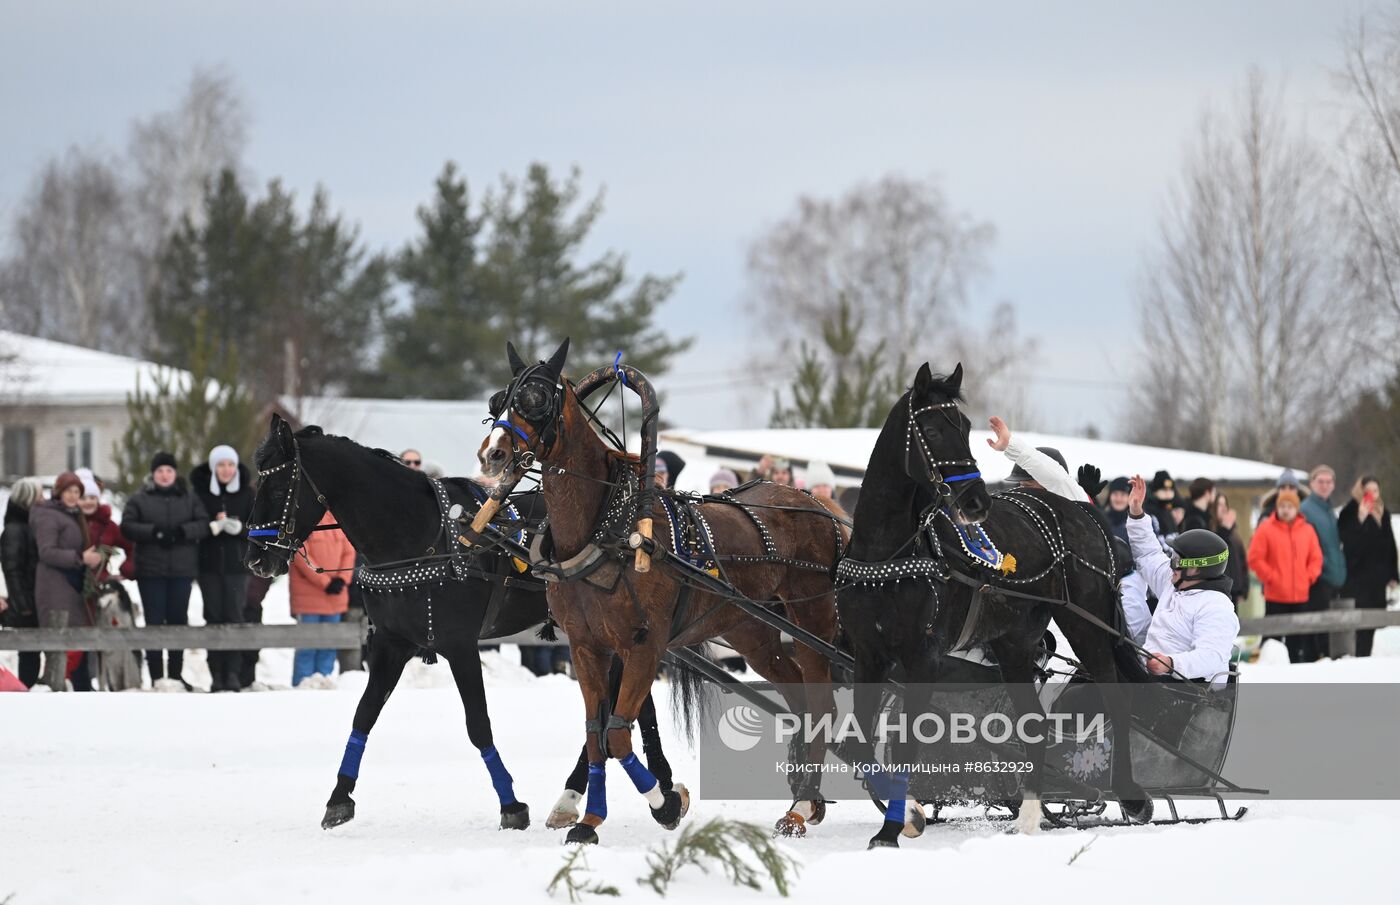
1287,556
320,597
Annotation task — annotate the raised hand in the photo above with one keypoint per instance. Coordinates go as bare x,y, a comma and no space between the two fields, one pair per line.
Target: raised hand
1137,494
1003,435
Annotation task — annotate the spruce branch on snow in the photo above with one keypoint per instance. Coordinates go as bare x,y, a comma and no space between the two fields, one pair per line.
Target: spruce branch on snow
726,842
572,877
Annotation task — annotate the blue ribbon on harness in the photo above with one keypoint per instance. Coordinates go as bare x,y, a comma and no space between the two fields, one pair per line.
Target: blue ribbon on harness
617,369
480,494
962,477
263,532
518,432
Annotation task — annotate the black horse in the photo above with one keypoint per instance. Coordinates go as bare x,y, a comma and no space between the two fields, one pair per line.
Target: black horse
909,581
424,594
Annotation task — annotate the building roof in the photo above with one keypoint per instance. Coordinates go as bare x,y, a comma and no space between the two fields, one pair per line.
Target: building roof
43,372
446,432
847,451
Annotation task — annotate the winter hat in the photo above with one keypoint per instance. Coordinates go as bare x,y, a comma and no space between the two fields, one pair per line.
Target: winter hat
1162,480
223,453
819,473
1286,495
163,458
64,481
89,480
1289,478
724,476
674,463
1120,485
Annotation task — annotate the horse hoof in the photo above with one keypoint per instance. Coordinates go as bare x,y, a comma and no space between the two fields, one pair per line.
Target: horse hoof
818,812
1137,810
565,813
888,837
581,834
914,821
338,813
684,793
672,809
515,816
791,824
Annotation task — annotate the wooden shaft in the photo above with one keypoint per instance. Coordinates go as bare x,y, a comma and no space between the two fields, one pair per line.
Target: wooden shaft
643,560
483,517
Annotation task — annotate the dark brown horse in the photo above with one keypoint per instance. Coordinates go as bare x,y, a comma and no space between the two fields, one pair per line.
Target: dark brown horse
771,555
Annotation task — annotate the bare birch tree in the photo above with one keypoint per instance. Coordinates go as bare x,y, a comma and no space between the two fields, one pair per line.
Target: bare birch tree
69,275
1370,80
1236,292
902,259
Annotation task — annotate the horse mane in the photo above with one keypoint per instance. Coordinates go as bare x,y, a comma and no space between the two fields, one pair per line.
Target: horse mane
942,384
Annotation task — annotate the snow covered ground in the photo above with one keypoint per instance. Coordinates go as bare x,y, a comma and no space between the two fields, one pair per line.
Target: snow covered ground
217,798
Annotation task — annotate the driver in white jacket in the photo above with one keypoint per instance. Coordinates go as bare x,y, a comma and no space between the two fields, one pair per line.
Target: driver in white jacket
1194,628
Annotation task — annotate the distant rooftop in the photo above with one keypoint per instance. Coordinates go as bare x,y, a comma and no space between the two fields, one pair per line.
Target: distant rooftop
41,371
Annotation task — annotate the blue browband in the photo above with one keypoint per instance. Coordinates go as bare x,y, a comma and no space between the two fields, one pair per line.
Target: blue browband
518,432
263,532
962,477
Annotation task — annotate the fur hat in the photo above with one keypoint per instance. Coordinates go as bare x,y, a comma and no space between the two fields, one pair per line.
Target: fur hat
90,485
819,473
64,481
223,453
724,476
163,458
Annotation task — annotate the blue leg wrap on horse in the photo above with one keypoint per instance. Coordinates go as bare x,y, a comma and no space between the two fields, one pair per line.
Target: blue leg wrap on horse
597,791
899,790
354,750
500,776
640,775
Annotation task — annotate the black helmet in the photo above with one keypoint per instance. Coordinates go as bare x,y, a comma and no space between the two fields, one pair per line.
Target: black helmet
1018,474
1202,550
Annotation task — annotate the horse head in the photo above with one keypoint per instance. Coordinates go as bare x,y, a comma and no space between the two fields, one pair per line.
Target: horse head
286,506
937,452
525,416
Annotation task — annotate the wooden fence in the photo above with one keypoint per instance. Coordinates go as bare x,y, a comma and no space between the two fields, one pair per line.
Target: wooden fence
338,635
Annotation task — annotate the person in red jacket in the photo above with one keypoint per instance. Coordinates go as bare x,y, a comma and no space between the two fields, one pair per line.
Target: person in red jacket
1287,556
102,531
320,597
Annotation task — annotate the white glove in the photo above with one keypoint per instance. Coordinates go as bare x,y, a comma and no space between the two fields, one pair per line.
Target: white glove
215,527
232,525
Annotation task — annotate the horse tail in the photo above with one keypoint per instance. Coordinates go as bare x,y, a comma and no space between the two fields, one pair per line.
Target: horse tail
690,693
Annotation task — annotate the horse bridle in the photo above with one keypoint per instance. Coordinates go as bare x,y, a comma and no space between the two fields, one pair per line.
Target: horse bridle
544,418
932,465
283,535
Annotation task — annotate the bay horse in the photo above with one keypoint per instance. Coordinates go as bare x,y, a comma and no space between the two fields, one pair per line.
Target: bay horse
920,506
780,550
421,595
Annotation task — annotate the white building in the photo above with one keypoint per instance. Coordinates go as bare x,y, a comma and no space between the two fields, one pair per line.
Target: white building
64,407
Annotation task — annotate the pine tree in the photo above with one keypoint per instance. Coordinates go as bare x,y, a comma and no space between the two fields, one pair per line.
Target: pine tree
187,415
436,347
841,384
514,272
297,301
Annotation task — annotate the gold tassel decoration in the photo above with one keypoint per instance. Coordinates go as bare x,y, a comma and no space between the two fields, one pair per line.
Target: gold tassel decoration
1008,564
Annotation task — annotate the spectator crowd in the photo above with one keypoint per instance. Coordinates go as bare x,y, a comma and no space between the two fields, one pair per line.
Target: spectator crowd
62,550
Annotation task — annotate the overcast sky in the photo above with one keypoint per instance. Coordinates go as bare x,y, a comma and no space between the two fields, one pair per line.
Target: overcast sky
1061,123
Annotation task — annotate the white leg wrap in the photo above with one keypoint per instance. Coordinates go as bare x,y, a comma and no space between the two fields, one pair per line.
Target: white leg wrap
568,802
655,797
804,809
1028,822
